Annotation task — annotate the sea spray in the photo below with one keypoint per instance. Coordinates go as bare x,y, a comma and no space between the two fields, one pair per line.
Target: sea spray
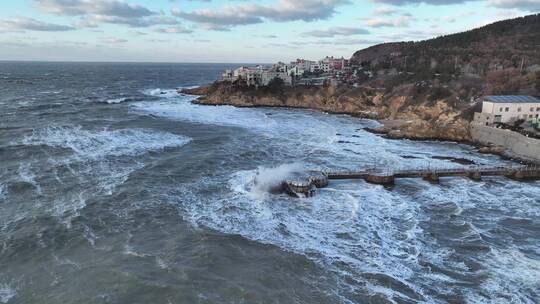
270,179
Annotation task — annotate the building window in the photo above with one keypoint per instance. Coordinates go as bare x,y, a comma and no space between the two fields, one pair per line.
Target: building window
519,109
506,109
500,110
532,109
530,116
537,109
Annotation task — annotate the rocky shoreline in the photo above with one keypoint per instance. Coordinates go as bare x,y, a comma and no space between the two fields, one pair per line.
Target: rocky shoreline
399,118
419,117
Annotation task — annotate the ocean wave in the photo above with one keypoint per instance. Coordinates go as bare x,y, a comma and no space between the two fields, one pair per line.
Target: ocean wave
116,100
351,229
96,162
7,292
27,175
3,192
103,143
163,93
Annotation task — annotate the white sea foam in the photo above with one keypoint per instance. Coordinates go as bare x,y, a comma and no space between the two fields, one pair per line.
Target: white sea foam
359,226
103,143
7,292
182,109
27,175
3,192
512,275
116,100
97,163
350,227
165,93
268,178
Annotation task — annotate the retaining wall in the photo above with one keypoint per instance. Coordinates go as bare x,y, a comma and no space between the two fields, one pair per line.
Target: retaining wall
515,144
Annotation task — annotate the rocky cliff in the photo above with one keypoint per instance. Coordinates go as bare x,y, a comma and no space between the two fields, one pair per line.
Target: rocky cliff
410,117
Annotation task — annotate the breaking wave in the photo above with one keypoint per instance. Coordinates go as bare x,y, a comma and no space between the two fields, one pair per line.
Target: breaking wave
3,192
7,292
103,143
99,161
267,179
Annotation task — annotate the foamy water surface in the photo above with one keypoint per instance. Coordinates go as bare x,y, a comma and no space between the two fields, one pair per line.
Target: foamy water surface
151,199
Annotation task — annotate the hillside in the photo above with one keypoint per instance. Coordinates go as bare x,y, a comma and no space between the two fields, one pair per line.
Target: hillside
429,87
504,56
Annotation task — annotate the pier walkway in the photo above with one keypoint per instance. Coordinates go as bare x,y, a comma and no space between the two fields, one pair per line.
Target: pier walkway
388,176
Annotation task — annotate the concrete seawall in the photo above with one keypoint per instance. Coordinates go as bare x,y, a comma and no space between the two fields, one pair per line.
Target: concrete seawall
515,144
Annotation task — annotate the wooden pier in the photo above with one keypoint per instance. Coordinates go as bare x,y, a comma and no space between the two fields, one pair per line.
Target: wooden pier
388,177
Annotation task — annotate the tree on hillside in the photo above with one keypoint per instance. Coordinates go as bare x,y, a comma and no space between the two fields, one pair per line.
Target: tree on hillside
276,85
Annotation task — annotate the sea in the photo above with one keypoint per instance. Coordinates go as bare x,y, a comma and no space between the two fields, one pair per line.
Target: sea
116,188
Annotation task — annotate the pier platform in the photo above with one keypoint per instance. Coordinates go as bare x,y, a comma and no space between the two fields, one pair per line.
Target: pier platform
380,176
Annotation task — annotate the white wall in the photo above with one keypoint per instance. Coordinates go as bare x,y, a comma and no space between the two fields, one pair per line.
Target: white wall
515,110
515,144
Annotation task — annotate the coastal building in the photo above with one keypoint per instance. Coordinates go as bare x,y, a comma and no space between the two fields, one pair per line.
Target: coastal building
268,76
507,109
340,64
300,67
259,75
228,75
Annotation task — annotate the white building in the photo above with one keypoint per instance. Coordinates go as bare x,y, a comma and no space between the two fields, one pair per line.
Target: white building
267,76
327,64
507,109
300,67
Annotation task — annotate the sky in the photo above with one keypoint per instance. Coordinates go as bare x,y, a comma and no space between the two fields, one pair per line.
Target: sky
231,31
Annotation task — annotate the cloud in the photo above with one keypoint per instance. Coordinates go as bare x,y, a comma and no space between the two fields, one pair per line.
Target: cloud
96,20
248,13
95,12
385,11
174,30
22,24
527,5
221,20
401,21
113,40
344,41
97,7
432,2
336,31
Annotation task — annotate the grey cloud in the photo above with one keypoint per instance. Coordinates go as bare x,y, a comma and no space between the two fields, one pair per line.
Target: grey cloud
218,20
95,20
99,7
345,41
22,24
95,12
248,13
527,5
433,2
336,31
174,30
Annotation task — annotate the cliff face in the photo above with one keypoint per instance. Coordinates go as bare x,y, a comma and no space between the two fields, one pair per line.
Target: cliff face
411,118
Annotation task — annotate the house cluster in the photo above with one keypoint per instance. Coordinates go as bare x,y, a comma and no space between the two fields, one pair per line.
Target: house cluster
299,72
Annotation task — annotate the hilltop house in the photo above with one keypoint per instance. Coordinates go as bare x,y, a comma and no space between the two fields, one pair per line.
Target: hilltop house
507,109
259,75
